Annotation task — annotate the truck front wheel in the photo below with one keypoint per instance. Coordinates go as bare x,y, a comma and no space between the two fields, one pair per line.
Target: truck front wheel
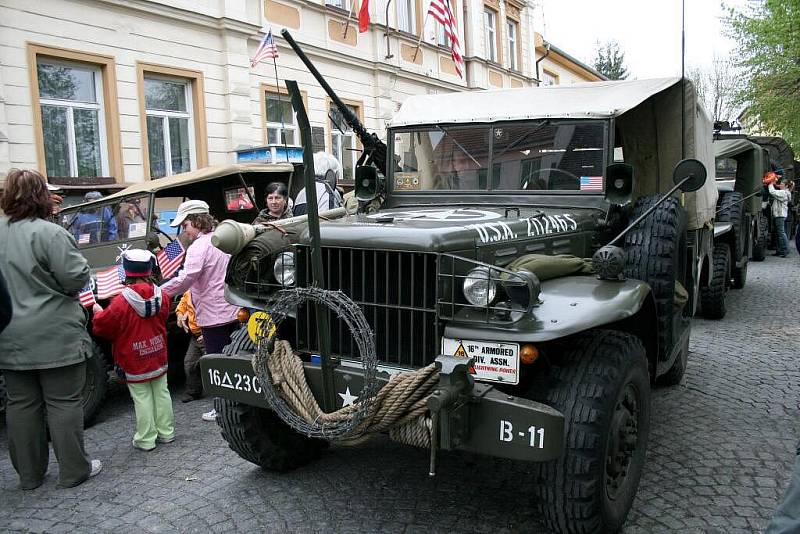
94,390
712,297
601,384
259,436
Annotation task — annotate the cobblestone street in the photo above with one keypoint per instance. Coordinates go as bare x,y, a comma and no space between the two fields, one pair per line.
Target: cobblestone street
721,449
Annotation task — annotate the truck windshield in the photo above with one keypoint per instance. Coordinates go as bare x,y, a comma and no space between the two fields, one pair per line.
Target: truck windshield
111,221
523,156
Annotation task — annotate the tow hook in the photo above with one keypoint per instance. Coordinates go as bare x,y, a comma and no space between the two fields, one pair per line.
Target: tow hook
454,382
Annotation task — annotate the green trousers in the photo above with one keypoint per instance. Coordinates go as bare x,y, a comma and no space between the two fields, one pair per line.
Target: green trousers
59,391
153,407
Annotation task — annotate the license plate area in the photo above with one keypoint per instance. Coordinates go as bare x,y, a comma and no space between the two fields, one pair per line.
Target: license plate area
494,361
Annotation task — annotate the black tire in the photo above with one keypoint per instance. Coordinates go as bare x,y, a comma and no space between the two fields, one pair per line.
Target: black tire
94,390
731,209
739,275
260,437
675,374
712,297
602,387
760,244
257,434
655,252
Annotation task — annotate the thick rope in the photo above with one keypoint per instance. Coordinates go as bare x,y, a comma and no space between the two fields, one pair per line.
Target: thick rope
398,407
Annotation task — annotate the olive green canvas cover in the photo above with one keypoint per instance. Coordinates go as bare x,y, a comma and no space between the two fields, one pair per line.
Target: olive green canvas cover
750,166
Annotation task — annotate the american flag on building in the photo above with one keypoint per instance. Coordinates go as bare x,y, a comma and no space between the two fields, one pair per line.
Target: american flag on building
110,282
591,183
440,10
170,258
267,49
86,295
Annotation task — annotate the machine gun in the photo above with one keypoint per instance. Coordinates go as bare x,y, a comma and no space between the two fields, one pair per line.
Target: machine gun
374,149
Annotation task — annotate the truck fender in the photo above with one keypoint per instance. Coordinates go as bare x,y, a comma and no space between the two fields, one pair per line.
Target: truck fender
569,305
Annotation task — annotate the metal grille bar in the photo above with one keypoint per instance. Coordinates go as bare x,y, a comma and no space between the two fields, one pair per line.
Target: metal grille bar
399,305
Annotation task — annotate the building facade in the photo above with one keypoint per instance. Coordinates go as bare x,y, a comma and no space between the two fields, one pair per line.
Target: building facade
100,94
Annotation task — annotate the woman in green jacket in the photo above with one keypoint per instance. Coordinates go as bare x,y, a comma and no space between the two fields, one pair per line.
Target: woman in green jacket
44,348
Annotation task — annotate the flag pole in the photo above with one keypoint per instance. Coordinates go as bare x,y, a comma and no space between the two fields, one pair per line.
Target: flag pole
421,33
347,22
280,102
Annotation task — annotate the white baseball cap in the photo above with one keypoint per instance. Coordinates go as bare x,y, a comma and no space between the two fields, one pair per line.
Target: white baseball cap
190,207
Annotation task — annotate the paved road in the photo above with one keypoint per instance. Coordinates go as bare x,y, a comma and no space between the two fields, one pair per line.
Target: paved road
721,450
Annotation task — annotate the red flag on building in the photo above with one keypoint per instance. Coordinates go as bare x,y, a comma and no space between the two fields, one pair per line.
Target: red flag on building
363,16
440,10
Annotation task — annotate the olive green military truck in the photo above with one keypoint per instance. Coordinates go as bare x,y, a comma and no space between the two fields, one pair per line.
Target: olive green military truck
467,253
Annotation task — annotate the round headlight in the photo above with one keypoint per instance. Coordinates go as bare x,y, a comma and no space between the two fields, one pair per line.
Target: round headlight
479,287
284,269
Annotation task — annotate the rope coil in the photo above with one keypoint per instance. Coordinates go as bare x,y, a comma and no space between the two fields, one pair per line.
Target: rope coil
399,406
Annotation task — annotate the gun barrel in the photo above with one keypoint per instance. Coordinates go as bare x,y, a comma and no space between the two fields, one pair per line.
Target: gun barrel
371,143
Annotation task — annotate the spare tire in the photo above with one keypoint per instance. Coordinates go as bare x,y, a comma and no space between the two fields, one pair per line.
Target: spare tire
655,252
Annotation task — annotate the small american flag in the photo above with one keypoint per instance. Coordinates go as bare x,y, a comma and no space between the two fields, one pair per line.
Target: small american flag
591,183
86,295
267,49
440,10
170,258
110,282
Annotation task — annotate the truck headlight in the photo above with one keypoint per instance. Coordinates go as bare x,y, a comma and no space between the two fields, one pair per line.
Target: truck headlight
284,269
480,287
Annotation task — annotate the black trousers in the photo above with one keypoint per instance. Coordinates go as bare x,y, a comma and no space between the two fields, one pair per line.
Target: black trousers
59,390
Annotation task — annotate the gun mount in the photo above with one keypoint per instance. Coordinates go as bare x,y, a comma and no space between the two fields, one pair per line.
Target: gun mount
374,149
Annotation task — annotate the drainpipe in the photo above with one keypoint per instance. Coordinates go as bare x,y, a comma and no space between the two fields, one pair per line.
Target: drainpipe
389,54
546,53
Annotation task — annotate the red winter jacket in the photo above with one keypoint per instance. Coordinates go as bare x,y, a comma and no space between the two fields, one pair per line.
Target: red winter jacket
137,329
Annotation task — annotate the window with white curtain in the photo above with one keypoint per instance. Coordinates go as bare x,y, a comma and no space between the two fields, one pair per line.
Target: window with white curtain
343,142
490,33
406,15
511,32
281,121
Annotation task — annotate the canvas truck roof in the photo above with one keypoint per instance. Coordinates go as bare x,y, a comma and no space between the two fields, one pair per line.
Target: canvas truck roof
587,100
199,175
728,148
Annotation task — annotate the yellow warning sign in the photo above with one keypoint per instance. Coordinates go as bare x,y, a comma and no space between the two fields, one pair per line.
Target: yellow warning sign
256,324
461,352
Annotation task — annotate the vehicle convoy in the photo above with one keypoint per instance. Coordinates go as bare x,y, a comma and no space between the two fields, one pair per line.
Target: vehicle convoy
106,227
466,257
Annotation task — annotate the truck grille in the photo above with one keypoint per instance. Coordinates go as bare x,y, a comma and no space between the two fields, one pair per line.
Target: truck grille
396,292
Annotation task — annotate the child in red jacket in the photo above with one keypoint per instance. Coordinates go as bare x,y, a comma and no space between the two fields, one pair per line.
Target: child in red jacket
135,323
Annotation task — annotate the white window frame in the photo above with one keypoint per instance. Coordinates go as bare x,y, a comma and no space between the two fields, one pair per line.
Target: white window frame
490,33
99,106
337,140
277,125
511,31
165,116
340,4
411,6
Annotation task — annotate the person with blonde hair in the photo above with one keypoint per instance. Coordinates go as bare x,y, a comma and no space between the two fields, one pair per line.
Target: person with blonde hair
44,348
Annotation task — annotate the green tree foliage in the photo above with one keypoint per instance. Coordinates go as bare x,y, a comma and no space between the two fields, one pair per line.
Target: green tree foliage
768,33
609,60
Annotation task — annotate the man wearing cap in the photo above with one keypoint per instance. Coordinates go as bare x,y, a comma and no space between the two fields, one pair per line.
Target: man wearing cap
94,225
204,272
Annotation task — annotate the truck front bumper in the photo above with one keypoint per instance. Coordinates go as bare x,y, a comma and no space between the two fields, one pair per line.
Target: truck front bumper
484,420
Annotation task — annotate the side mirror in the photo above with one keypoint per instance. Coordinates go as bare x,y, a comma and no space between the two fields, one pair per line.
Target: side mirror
689,174
366,186
619,183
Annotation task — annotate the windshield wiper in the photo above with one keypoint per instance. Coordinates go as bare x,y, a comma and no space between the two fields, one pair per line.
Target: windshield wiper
521,139
464,150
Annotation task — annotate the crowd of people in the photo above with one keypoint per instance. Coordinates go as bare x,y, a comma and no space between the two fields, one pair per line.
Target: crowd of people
45,373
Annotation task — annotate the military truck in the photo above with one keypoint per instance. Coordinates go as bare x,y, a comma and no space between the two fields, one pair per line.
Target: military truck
740,227
781,160
139,217
472,190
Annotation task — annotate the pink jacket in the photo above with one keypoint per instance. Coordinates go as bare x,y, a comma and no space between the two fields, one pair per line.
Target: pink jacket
204,272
